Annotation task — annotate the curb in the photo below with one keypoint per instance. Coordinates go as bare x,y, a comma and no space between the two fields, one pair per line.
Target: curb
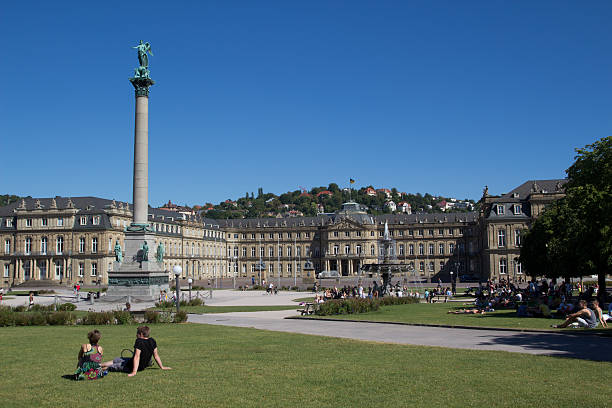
447,326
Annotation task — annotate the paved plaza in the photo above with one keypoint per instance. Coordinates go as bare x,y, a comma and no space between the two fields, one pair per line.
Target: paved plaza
554,344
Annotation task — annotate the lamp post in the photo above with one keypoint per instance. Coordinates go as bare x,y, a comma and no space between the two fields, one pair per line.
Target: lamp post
190,281
177,272
235,270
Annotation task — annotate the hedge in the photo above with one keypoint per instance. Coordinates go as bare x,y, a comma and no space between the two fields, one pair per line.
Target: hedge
358,305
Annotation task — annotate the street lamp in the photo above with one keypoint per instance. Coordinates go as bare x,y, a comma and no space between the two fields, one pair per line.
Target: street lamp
190,281
177,272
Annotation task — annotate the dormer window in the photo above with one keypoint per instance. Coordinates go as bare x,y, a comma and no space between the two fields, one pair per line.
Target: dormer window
28,222
500,210
96,220
83,220
517,209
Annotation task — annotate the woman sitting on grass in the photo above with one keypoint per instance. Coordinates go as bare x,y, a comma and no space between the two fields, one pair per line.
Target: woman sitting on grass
90,357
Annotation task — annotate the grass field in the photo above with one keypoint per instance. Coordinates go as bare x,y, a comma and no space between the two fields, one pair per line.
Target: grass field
436,313
235,367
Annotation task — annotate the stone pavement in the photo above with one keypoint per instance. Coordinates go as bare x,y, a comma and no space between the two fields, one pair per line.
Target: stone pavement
589,347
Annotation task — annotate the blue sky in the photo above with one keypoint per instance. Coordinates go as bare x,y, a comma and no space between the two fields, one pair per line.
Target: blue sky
439,97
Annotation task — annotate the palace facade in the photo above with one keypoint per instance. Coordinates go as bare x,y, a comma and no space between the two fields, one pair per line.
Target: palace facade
72,240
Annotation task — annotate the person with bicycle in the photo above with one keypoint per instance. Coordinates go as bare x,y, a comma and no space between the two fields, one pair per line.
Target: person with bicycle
145,348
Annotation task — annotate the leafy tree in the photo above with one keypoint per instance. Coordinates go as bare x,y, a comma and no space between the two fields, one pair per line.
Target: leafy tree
573,237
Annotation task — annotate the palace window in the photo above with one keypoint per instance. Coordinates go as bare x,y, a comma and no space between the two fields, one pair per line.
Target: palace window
96,220
501,238
358,233
410,249
289,268
410,232
401,249
28,222
271,252
252,236
83,220
335,250
45,222
421,266
94,269
451,231
347,234
335,233
431,249
399,232
298,235
451,248
289,251
8,222
236,251
517,237
431,266
262,252
421,249
431,233
81,245
244,252
28,246
358,249
441,249
500,209
503,266
94,245
81,269
271,269
372,250
420,232
298,251
7,246
371,233
518,268
110,244
308,235
517,209
59,245
43,245
441,231
280,250
347,249
441,265
7,271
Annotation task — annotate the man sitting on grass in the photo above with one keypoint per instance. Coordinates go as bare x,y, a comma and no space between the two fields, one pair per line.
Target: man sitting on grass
145,347
584,317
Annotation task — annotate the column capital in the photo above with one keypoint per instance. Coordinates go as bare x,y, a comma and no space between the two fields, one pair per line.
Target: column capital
141,85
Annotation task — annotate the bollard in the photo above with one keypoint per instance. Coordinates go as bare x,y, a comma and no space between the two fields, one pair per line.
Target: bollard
91,298
210,292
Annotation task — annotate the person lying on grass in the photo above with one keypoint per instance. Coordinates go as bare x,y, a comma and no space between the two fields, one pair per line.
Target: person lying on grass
467,311
145,347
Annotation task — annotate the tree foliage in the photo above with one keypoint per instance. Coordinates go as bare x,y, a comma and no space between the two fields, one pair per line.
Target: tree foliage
573,237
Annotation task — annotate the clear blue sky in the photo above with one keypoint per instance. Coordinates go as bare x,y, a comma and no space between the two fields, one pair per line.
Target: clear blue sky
439,97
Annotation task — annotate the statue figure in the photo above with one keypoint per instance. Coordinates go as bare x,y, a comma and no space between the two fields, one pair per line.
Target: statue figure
118,254
160,253
145,251
485,192
143,49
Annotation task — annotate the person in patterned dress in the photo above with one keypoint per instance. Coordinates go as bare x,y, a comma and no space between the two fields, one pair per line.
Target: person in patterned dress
90,357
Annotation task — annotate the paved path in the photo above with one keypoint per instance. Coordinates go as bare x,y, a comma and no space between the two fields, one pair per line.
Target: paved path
559,345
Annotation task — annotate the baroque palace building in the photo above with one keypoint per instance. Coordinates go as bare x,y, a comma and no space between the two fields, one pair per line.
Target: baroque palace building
71,240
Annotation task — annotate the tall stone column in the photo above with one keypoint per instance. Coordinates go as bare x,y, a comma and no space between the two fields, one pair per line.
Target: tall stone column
141,153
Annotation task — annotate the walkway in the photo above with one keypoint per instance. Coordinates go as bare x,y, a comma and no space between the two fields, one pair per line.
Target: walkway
559,345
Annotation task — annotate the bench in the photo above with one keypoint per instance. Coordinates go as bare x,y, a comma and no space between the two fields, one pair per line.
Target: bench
439,297
309,308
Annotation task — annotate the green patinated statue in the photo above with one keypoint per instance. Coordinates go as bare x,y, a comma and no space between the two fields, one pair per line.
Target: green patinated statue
160,253
145,251
118,254
143,49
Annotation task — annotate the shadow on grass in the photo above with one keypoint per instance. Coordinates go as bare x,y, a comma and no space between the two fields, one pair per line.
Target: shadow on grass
70,377
594,348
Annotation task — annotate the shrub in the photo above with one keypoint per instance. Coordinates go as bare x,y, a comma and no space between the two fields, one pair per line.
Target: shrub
7,316
66,307
152,316
41,308
347,306
30,319
180,317
61,318
195,302
123,317
21,308
98,318
164,304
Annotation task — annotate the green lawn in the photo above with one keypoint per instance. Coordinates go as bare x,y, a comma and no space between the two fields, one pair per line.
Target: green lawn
235,367
436,313
229,309
305,299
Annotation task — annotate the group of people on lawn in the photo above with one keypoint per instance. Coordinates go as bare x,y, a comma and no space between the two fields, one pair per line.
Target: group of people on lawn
544,299
91,367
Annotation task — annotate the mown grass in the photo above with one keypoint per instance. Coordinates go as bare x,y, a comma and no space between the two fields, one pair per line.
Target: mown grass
229,309
236,367
436,313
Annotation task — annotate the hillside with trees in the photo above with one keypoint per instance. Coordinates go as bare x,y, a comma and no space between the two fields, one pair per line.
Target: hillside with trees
328,200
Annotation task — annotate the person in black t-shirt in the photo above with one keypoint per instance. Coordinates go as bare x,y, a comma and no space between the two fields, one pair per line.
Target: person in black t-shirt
145,348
